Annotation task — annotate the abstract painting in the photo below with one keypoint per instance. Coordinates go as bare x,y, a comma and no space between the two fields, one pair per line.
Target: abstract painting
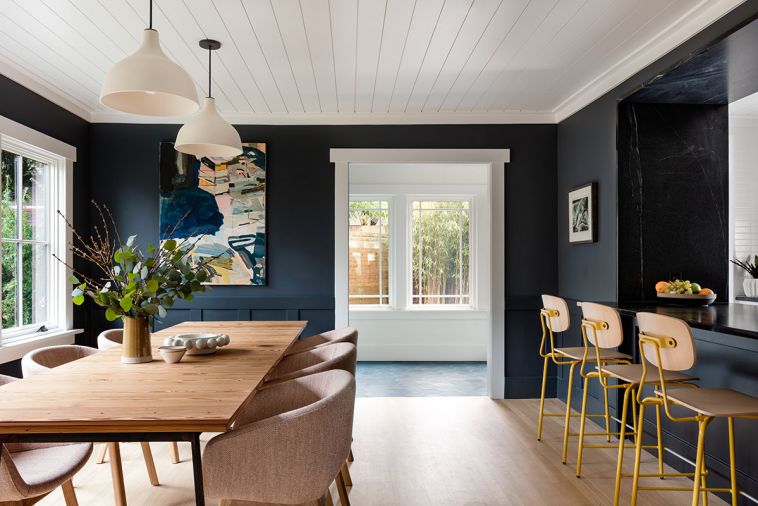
225,203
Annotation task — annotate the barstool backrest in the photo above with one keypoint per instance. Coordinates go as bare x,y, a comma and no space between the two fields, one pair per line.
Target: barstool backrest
679,357
610,337
560,322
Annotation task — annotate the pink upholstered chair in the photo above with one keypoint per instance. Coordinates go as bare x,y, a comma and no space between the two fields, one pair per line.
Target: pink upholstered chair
343,335
287,445
30,471
322,358
112,338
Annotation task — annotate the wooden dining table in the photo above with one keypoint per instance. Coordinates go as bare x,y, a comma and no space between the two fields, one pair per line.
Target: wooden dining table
99,399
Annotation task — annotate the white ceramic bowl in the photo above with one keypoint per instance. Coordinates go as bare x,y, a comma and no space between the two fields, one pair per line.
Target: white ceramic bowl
172,354
198,344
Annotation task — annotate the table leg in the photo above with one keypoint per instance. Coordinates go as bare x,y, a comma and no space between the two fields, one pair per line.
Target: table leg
197,469
117,474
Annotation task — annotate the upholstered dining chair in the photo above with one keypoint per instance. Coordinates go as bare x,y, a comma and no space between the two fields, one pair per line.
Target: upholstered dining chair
30,471
112,338
44,359
287,445
322,358
343,335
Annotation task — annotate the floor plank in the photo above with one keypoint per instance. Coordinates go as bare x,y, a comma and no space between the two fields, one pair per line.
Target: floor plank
422,451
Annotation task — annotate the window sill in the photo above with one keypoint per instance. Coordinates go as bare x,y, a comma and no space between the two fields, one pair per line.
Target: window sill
461,313
16,350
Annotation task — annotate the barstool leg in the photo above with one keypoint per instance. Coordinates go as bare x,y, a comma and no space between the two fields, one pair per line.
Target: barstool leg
622,441
702,424
566,425
607,414
637,456
634,417
732,462
582,419
542,399
660,439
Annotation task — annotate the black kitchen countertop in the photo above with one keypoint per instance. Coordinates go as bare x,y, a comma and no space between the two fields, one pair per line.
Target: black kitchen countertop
735,319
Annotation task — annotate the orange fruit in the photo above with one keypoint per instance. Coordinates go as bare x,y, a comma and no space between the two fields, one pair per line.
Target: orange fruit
705,291
661,286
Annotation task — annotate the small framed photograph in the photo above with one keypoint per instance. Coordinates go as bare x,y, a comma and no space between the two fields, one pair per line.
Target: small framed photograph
582,214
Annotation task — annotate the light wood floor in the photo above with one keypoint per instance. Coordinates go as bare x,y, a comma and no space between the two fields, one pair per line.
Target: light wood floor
424,451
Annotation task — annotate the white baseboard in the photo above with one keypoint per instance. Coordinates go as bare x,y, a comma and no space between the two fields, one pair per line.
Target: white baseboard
426,353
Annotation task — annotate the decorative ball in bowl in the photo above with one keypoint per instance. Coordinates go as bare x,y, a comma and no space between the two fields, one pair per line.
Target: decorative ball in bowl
172,354
198,344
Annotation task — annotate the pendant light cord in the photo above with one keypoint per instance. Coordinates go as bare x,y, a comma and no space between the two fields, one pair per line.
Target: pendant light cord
151,15
210,51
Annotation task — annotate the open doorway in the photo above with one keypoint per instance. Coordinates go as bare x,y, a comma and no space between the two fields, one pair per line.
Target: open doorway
419,268
418,277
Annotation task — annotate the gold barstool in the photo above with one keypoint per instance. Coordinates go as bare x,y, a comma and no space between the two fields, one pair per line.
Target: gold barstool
601,328
554,317
667,344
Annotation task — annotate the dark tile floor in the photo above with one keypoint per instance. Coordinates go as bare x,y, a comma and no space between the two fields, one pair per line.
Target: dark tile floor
421,379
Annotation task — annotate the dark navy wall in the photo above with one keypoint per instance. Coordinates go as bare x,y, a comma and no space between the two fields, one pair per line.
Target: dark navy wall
26,107
301,217
587,152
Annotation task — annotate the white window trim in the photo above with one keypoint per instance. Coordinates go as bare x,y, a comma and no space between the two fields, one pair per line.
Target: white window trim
60,157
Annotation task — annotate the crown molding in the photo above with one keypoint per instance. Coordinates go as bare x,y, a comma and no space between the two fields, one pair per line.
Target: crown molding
457,118
26,79
689,24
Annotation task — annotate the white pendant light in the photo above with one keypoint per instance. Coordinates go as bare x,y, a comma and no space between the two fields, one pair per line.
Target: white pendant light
207,134
147,82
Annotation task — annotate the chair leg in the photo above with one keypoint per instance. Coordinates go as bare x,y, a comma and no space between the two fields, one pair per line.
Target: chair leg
582,419
607,414
542,399
345,471
69,495
567,424
622,440
342,490
150,464
702,424
326,499
637,456
732,462
101,455
634,417
660,439
175,459
350,457
117,474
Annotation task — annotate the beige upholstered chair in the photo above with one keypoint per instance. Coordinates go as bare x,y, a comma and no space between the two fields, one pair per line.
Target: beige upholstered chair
30,471
110,339
343,335
287,445
322,358
44,359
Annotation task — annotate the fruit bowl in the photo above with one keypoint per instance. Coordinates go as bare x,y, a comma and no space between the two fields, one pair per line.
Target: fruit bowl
686,299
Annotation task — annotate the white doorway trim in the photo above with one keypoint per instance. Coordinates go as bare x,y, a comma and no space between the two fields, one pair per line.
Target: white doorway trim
496,159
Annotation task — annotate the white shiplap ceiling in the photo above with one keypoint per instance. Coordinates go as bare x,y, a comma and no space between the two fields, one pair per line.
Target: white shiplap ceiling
356,61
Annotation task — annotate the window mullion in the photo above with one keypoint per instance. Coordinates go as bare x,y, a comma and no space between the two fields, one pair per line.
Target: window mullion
18,165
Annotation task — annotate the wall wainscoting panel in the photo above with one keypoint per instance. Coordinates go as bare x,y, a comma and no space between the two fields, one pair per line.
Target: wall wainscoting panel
318,311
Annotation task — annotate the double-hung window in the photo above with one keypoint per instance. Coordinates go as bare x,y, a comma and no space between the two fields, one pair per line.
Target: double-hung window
441,252
411,252
33,292
369,254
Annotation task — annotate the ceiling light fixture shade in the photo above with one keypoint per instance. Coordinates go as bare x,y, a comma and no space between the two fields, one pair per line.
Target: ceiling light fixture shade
207,134
147,82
